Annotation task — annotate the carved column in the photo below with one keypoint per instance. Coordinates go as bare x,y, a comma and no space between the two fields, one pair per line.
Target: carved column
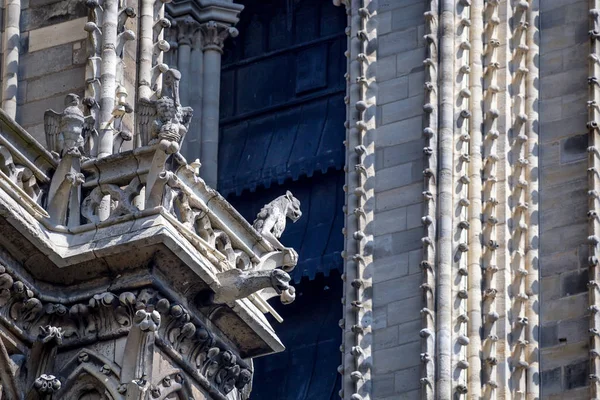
186,29
139,351
192,146
10,45
213,39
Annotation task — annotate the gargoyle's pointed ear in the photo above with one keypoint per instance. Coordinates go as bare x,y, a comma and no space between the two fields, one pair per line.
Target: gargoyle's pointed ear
289,195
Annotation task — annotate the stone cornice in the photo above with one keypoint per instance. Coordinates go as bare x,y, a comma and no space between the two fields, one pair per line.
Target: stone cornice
225,12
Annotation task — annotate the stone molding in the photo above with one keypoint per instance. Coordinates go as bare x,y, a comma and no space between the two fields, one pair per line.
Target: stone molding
593,197
109,315
361,89
486,320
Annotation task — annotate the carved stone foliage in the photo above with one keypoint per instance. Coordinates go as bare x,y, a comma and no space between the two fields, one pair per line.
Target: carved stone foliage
214,35
108,314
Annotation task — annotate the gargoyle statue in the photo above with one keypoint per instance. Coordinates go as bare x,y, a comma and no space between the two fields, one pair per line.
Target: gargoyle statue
271,220
67,132
236,284
164,118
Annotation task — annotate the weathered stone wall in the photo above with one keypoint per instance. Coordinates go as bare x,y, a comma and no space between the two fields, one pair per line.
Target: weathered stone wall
399,201
52,59
563,181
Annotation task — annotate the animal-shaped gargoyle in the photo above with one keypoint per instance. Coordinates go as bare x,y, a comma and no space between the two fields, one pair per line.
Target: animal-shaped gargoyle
236,284
270,223
271,219
67,132
164,118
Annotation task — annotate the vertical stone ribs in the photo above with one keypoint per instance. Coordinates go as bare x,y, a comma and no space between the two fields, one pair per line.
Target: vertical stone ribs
463,199
486,187
594,190
429,203
152,48
105,98
522,203
474,225
489,261
360,170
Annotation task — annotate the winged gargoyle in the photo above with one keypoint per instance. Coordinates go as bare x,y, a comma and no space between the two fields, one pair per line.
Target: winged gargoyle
67,132
164,118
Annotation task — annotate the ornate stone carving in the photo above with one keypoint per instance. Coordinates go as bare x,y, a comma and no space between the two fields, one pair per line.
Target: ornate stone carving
236,284
271,219
165,118
214,35
67,132
122,200
186,30
47,385
20,175
145,312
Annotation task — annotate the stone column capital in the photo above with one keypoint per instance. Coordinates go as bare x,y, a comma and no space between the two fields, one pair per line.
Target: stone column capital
186,30
214,35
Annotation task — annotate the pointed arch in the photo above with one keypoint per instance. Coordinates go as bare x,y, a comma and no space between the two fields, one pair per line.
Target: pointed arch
89,371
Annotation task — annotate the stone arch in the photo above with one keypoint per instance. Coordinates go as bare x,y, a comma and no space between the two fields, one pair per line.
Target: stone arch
86,387
89,373
172,386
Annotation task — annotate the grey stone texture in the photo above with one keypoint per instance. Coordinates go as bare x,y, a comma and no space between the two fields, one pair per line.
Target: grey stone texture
398,186
563,228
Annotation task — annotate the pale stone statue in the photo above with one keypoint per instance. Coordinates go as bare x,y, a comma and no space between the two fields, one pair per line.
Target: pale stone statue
271,219
164,118
67,132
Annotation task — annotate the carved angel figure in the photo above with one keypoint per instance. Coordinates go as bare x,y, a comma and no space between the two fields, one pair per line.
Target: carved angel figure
271,219
67,132
164,118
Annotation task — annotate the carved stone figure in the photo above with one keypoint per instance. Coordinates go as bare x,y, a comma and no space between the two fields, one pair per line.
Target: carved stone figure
271,219
164,118
236,284
67,132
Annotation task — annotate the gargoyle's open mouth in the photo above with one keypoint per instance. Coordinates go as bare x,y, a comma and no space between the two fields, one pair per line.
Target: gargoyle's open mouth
296,215
281,286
